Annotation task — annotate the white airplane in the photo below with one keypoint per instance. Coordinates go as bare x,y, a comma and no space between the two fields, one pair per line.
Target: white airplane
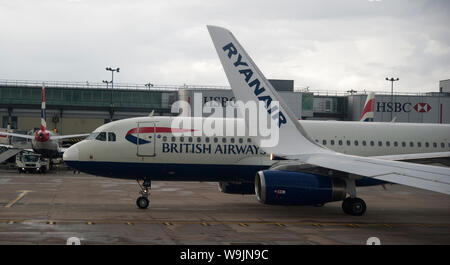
323,161
368,110
44,142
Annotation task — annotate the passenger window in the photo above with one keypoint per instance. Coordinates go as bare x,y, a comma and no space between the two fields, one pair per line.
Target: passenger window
403,144
216,139
207,139
316,140
348,142
101,136
411,144
332,142
372,143
173,139
380,143
111,137
249,140
356,143
427,144
241,140
190,139
435,145
442,145
340,142
199,139
232,140
164,138
324,142
224,140
181,139
388,143
364,143
419,144
395,143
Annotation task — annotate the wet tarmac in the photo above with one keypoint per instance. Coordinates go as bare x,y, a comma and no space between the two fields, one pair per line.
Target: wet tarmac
50,208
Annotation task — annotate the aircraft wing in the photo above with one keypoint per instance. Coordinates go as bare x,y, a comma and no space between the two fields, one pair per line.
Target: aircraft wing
415,175
59,137
17,135
249,84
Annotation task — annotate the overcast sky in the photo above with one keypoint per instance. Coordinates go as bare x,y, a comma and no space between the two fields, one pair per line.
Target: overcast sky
325,45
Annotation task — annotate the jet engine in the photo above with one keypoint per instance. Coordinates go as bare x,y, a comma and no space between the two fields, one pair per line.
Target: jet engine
297,188
236,188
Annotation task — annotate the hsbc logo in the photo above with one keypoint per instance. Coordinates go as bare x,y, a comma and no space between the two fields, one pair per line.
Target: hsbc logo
402,107
422,107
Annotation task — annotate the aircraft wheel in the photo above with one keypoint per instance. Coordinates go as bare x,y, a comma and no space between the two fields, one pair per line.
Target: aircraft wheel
142,202
354,206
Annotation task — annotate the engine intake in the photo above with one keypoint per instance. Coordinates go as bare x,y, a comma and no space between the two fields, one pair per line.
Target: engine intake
298,188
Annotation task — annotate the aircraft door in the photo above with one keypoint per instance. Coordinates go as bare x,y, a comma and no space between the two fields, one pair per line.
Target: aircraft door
146,140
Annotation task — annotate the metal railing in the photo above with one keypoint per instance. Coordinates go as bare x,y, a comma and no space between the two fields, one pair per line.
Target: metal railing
98,85
158,87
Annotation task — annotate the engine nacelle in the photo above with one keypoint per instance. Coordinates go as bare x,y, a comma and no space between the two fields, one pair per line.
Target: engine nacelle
236,188
298,188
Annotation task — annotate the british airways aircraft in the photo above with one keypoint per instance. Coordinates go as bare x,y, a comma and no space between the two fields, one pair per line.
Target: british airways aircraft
315,162
45,142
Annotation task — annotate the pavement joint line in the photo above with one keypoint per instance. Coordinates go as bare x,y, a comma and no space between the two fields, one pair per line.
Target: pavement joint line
244,224
21,195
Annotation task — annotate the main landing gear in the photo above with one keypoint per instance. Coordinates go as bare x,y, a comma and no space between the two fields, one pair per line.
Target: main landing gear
143,201
353,205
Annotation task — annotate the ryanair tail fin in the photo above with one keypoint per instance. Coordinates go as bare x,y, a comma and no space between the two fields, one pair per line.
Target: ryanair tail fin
368,110
249,84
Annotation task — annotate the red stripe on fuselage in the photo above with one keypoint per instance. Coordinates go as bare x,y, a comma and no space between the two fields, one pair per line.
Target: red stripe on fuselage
158,130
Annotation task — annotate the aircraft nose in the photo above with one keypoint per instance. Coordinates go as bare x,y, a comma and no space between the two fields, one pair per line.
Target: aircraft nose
71,154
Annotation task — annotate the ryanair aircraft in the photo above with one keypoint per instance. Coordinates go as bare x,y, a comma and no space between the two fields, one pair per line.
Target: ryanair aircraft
314,162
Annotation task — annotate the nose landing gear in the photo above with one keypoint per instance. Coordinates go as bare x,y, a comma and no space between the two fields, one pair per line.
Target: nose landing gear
143,201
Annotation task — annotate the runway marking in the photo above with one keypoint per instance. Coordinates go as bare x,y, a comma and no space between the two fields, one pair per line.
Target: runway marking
11,203
243,224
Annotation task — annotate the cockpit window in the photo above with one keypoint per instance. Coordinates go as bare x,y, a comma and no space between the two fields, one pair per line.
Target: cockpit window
92,136
101,136
111,137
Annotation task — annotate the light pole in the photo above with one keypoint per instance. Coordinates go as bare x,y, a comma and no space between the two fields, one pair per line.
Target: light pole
112,74
112,79
392,80
107,82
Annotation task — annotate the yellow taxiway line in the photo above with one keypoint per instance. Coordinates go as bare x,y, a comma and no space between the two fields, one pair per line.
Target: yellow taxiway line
21,195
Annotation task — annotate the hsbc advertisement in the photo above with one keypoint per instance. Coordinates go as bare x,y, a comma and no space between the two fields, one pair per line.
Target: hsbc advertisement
402,107
422,109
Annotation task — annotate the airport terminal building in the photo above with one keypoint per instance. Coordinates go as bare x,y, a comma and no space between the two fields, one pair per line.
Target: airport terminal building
80,107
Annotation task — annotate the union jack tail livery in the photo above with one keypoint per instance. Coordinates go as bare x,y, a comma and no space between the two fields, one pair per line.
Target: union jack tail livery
43,119
368,114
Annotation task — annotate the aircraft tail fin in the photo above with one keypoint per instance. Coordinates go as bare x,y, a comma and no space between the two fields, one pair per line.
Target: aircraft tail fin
249,84
43,114
368,110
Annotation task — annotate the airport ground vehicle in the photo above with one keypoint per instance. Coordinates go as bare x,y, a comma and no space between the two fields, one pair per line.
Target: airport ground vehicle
31,162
